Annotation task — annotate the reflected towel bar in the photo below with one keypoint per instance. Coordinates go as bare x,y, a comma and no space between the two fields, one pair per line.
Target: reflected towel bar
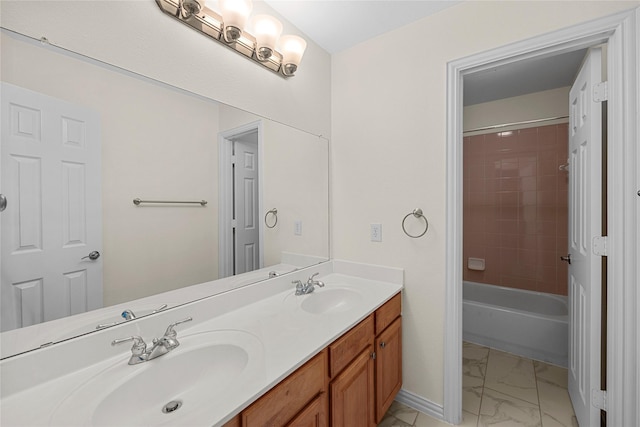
137,202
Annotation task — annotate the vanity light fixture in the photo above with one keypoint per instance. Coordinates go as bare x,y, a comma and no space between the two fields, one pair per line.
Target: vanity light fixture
263,44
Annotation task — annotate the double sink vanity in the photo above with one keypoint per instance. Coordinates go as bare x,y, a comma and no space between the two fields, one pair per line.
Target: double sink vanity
253,356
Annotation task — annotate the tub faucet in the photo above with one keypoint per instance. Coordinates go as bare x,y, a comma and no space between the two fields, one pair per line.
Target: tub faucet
161,346
309,286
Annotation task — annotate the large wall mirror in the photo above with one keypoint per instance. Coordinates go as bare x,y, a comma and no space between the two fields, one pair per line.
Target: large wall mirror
82,139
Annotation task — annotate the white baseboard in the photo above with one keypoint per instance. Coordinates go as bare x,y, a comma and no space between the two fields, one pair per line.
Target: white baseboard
420,403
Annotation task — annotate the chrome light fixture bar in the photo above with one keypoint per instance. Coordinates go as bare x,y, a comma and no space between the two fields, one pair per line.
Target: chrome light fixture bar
260,48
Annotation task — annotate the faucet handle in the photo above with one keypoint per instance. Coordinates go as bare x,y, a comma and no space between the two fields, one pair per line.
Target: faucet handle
171,332
162,307
139,346
315,282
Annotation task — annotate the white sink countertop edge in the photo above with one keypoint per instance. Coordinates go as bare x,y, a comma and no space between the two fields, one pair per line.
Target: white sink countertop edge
290,337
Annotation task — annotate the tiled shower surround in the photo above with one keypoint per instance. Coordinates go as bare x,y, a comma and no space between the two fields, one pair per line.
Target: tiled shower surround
515,208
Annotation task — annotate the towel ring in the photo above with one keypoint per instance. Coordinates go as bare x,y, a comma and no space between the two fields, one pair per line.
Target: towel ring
274,212
418,214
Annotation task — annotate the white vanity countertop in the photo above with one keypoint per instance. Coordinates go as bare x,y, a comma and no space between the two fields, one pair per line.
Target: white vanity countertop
281,334
24,339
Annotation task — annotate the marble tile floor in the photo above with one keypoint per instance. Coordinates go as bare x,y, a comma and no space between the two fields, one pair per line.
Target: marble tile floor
502,389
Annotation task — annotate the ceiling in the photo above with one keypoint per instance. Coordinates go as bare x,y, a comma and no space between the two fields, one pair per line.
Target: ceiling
337,25
522,77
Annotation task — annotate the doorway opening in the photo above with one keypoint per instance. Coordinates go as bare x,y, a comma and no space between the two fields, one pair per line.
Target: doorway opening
616,31
516,236
240,228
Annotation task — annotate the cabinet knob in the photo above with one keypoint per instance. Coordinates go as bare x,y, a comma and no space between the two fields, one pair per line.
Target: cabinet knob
383,344
373,355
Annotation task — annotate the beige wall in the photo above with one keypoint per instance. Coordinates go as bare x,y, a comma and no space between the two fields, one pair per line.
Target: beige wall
388,151
138,36
295,181
159,143
297,184
148,152
533,106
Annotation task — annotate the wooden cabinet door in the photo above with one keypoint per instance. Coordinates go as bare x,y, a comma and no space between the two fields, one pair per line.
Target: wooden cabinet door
388,367
314,415
352,393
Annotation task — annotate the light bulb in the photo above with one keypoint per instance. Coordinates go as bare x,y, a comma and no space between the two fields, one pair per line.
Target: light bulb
292,48
234,17
266,30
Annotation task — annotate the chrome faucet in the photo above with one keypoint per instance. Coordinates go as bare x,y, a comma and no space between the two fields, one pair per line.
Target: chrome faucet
128,315
309,286
161,346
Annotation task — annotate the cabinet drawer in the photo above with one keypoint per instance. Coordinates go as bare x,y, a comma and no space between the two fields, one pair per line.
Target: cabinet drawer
386,314
348,346
290,396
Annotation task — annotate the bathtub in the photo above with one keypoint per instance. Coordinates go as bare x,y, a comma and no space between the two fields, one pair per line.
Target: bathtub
526,323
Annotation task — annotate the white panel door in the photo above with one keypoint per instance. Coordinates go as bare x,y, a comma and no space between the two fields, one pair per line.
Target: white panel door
585,213
247,231
50,158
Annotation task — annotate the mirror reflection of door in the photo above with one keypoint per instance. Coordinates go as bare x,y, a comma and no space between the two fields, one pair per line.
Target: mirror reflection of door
51,178
240,226
246,236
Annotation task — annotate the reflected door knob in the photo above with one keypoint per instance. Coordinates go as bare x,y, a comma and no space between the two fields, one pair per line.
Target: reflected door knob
92,256
566,258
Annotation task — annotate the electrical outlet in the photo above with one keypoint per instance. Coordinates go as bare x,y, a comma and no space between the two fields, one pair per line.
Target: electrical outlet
297,228
376,232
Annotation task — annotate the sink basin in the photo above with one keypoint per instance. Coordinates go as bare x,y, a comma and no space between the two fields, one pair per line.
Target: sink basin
176,388
331,300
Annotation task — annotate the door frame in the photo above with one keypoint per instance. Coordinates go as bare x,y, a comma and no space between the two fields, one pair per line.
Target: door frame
620,31
225,187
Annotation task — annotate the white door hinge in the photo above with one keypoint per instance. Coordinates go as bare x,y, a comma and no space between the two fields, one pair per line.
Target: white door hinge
599,399
600,92
600,246
234,223
233,159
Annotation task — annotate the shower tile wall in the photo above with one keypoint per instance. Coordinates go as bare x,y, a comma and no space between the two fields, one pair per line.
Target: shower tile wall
515,208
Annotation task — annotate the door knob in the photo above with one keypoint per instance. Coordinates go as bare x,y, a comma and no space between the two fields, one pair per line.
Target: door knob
3,202
566,258
92,256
